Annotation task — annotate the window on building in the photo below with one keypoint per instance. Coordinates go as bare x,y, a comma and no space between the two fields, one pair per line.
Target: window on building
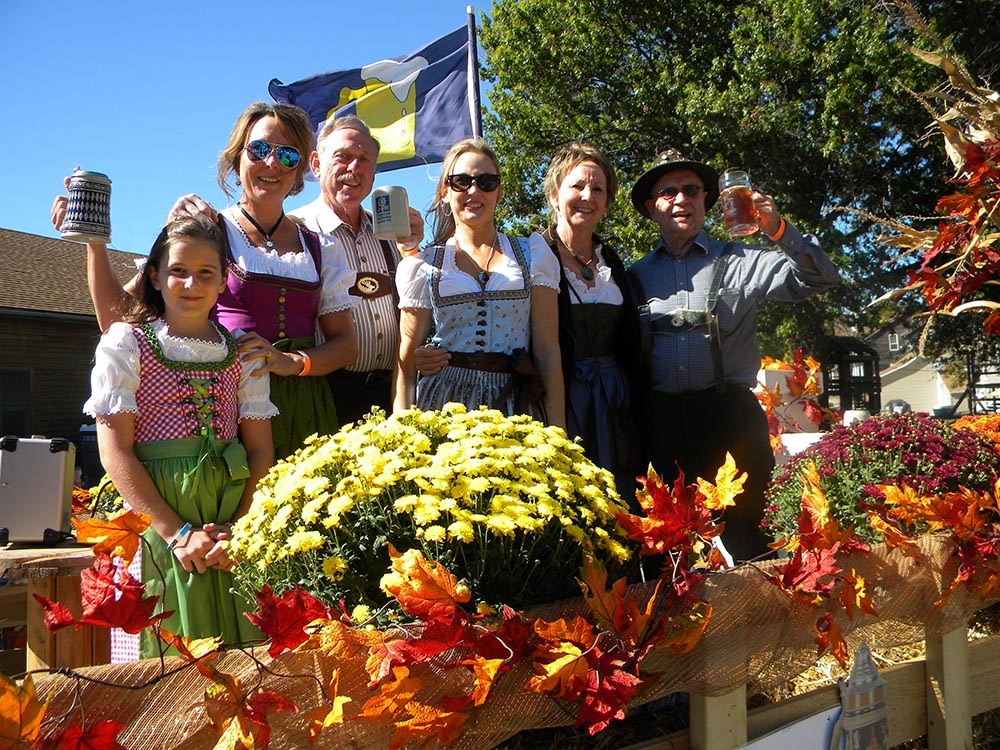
15,402
893,342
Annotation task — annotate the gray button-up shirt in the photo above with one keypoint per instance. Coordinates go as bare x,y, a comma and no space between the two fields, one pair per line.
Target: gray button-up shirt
682,361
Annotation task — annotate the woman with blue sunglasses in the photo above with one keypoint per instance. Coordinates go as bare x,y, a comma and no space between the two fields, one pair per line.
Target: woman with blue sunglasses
282,284
490,300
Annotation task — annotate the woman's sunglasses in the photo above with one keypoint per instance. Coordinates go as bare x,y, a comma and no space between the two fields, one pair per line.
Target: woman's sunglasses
288,156
462,182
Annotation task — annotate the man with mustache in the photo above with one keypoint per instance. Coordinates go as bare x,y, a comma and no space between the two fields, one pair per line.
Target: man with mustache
698,309
344,162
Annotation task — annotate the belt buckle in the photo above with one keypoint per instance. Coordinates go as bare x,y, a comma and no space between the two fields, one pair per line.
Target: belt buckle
677,319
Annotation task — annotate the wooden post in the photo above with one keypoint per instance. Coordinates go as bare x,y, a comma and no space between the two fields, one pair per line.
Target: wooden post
68,647
718,722
949,720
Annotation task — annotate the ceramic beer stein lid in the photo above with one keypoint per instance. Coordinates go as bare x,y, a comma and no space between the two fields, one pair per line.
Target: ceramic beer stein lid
671,160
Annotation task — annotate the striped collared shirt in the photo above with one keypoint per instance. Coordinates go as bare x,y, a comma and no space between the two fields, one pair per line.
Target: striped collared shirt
375,317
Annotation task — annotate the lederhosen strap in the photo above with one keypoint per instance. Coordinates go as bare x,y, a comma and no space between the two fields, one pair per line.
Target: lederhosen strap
389,251
714,335
686,319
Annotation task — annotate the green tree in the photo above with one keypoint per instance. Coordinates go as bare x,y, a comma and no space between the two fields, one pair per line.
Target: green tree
809,95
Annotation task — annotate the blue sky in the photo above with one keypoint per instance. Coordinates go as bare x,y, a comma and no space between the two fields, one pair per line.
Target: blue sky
148,91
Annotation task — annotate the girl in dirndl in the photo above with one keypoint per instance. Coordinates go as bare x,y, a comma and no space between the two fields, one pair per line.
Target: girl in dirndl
183,426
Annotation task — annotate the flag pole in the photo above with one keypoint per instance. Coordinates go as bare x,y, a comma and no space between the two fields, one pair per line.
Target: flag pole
474,106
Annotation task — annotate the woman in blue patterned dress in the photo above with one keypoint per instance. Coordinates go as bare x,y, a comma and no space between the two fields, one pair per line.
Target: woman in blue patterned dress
489,300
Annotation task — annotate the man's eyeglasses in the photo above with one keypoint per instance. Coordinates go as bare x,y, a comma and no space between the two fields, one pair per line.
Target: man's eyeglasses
670,191
461,182
288,156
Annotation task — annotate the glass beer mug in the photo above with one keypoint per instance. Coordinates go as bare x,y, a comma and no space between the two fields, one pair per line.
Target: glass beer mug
736,197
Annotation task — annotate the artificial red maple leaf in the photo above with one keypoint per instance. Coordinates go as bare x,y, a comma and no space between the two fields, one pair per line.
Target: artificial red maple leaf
284,619
611,683
830,636
675,520
110,597
424,588
808,574
116,536
21,713
437,637
101,736
513,641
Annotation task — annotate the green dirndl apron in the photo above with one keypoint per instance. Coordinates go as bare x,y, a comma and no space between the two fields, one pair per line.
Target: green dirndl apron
305,404
202,480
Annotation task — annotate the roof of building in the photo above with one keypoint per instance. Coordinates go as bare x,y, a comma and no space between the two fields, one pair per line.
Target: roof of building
50,275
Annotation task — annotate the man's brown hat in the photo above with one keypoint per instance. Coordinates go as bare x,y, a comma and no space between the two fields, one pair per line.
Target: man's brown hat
670,161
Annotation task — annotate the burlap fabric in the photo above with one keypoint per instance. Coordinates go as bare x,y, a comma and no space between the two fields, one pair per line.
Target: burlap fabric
756,636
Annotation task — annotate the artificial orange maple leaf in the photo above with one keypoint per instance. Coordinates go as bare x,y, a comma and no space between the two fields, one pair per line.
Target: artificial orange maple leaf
426,721
199,651
854,594
101,736
332,712
893,536
80,500
116,536
560,658
424,588
110,597
830,636
616,610
675,520
21,713
683,630
393,696
728,484
240,718
817,528
284,619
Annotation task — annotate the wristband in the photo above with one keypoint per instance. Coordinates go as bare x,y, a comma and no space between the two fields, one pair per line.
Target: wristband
306,363
184,531
780,233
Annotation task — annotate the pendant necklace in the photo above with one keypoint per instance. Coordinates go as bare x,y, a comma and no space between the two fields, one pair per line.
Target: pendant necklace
484,272
268,242
586,272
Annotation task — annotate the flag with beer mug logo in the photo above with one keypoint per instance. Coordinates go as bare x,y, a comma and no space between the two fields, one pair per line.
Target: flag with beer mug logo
416,105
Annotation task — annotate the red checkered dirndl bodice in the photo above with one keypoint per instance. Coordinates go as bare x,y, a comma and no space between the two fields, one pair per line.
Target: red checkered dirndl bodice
175,400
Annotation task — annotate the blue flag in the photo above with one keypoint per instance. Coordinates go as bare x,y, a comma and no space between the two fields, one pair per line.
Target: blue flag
417,105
